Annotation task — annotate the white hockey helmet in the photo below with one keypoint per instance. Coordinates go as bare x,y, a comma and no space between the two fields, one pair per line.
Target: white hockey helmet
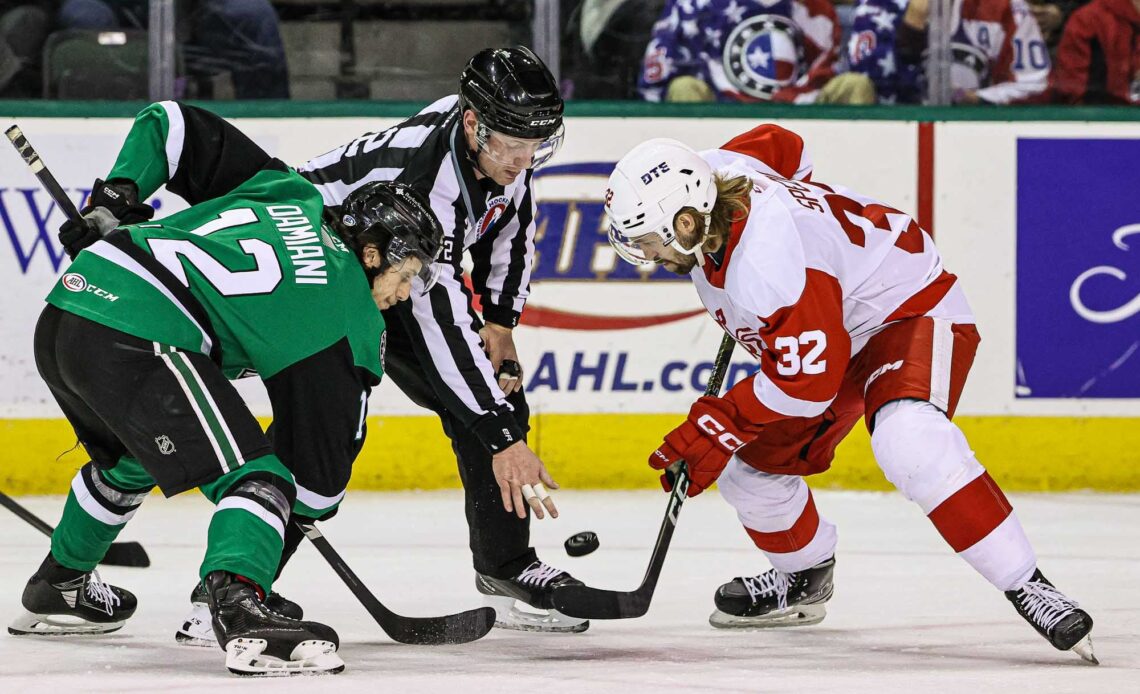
648,187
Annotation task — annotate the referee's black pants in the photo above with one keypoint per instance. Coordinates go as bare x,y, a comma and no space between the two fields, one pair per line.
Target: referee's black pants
500,541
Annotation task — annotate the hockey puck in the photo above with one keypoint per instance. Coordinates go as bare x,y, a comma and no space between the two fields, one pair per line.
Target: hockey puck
581,544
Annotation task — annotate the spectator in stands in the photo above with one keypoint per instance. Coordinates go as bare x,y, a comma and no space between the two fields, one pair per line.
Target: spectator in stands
236,36
998,54
602,46
1098,60
741,50
23,28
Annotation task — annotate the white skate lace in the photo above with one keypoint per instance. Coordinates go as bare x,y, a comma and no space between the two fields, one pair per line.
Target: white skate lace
101,593
538,574
767,583
1045,605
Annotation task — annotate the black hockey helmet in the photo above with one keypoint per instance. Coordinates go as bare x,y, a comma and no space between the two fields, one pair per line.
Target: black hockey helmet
398,220
512,92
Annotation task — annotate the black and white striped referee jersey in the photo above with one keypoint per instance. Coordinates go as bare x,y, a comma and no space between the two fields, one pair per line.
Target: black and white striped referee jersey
429,151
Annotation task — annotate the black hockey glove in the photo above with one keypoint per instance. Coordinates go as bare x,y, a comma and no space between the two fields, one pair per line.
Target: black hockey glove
112,203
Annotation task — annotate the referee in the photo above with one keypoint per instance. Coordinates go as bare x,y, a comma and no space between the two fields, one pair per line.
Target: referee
473,155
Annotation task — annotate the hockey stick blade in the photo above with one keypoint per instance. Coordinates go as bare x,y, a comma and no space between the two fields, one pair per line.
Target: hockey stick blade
462,627
118,554
126,554
585,602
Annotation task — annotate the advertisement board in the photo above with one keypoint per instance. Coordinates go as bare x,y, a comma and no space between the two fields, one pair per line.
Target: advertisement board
1078,268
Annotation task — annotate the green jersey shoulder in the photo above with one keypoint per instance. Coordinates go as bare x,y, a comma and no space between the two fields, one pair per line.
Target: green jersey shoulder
272,284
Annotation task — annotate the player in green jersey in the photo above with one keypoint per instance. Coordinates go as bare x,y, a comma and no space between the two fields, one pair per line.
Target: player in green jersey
151,319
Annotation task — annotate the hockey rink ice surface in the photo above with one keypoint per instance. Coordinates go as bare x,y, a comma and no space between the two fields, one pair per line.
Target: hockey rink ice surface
907,616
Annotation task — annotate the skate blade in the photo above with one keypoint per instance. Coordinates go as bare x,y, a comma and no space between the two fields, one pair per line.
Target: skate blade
184,639
518,616
246,657
796,616
1084,649
30,624
197,630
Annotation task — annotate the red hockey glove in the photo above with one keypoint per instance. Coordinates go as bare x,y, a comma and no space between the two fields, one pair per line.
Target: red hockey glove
705,441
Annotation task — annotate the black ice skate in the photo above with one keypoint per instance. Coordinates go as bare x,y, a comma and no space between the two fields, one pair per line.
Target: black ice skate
61,601
533,587
258,641
198,629
774,599
1056,617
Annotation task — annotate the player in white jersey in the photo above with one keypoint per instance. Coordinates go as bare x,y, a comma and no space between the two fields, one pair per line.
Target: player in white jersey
846,305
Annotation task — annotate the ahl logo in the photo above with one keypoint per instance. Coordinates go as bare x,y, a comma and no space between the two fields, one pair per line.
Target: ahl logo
165,445
495,208
74,282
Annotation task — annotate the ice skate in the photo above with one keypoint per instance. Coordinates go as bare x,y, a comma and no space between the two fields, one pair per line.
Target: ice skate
198,630
260,642
529,589
774,599
1056,617
61,602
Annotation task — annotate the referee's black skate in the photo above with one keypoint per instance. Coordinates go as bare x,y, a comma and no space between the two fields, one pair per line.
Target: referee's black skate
532,587
198,630
775,599
1056,617
62,601
258,641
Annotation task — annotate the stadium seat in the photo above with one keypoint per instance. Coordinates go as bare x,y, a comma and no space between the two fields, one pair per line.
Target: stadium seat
95,64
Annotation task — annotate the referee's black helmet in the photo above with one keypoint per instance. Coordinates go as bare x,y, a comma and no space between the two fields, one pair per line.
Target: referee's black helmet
512,92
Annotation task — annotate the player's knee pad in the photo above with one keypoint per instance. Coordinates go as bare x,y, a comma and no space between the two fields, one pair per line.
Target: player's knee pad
266,490
921,452
762,501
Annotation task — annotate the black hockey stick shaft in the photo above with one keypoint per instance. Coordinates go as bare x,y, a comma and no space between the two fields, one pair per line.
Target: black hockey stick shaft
449,629
32,159
585,602
118,554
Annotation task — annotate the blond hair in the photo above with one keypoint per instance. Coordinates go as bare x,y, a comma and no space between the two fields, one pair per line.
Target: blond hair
733,200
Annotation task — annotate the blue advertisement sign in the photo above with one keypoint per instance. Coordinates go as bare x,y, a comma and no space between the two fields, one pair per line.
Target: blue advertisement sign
1078,268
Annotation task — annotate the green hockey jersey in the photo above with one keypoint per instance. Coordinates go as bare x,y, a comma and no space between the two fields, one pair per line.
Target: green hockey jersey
248,274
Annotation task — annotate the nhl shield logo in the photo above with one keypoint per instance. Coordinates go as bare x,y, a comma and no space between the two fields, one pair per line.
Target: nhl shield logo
762,54
165,445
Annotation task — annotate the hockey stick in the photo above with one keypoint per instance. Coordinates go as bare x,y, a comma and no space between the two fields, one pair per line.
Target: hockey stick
118,554
430,631
594,603
32,159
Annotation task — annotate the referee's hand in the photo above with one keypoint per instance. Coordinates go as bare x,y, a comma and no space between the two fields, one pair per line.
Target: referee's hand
523,481
499,344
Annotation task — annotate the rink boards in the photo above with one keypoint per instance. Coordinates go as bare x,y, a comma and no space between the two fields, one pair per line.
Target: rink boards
1032,216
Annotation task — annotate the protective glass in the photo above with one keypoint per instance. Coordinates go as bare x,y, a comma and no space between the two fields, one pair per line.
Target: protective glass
518,152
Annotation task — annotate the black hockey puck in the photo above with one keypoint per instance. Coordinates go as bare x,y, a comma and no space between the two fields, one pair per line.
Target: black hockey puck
581,544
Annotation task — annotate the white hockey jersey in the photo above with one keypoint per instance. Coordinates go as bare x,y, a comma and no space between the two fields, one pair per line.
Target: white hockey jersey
811,274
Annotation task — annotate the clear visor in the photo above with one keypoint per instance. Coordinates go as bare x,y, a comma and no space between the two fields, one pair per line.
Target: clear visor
399,251
634,250
517,152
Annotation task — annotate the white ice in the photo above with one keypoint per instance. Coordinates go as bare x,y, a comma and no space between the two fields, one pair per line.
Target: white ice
907,616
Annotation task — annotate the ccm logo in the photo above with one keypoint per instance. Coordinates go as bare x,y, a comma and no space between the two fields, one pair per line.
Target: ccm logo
716,429
544,121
